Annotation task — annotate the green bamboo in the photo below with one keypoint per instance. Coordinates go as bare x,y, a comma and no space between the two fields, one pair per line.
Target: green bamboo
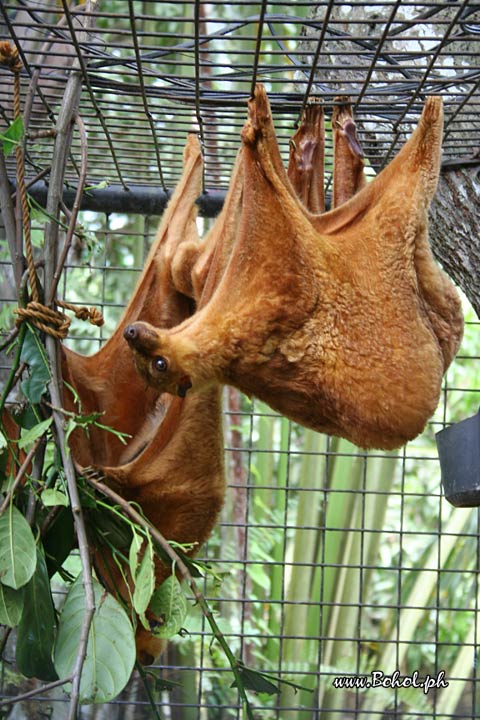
403,632
461,670
278,554
340,555
300,654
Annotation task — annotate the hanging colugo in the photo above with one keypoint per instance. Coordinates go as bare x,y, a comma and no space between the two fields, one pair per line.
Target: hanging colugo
341,321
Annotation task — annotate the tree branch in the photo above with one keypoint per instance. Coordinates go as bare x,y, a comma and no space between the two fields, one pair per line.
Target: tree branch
177,562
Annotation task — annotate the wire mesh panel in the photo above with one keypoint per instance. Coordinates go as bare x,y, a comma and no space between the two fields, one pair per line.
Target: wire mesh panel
344,577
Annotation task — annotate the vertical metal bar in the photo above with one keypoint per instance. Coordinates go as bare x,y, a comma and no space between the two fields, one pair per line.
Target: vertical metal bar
331,5
378,50
142,92
198,68
96,106
258,46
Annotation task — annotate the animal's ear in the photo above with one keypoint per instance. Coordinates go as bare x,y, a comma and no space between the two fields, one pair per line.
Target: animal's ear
306,159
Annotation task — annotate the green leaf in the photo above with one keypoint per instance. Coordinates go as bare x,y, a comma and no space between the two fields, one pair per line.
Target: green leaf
162,684
51,498
260,682
111,529
11,605
12,135
36,631
253,680
33,353
17,549
169,605
59,540
29,437
144,581
111,644
133,555
27,417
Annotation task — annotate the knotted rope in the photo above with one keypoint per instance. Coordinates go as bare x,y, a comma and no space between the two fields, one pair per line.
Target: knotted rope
44,318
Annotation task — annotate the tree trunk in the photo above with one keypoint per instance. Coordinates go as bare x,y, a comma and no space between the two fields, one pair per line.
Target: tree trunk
455,229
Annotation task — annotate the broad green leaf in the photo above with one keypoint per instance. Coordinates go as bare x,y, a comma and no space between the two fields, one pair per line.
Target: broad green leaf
111,644
144,581
11,605
29,437
36,631
169,604
12,135
51,498
17,549
33,353
3,441
58,540
26,417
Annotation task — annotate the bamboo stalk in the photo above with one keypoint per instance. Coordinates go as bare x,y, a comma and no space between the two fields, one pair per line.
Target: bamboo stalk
300,653
403,632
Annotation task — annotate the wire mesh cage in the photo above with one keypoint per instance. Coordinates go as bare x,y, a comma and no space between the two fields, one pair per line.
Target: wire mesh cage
343,576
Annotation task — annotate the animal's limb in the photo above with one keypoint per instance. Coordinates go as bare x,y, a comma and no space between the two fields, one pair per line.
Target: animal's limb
194,262
321,316
442,303
107,381
348,164
306,161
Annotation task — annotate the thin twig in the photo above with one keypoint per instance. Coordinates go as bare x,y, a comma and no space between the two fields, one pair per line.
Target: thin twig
80,528
8,215
20,475
14,369
68,110
75,209
177,562
37,691
10,338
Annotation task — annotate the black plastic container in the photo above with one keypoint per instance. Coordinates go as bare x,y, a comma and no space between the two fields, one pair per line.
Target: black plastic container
459,453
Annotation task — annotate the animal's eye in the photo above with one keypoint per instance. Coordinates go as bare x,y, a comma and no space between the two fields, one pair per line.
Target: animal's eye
160,364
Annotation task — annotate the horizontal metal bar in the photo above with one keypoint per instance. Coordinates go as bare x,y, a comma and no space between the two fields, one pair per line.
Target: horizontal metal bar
149,200
138,199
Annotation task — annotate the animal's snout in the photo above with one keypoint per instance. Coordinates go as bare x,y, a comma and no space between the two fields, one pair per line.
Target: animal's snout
130,333
141,337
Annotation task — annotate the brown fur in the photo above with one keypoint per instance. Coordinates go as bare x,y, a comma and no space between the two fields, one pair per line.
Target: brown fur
340,321
173,466
348,163
306,161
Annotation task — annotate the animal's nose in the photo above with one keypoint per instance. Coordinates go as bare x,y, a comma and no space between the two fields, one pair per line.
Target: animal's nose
130,333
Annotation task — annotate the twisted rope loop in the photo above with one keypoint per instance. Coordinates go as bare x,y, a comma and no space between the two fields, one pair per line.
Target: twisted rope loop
9,56
54,322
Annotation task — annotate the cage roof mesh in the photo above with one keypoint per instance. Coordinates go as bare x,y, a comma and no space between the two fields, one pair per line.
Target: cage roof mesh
153,70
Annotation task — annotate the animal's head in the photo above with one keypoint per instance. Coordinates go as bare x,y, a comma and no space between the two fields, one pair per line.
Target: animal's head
156,358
